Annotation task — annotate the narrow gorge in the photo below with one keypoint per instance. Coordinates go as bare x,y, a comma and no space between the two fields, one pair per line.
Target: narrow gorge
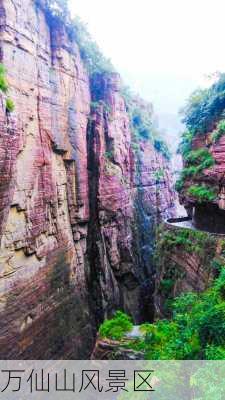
79,196
87,201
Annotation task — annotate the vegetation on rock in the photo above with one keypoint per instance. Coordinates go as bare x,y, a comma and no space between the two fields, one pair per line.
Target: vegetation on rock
116,327
196,162
203,113
158,175
219,131
3,82
143,124
176,242
189,240
57,12
4,88
202,193
195,331
9,105
205,107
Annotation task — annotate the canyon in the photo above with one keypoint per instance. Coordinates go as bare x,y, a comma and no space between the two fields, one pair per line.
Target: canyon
89,224
79,200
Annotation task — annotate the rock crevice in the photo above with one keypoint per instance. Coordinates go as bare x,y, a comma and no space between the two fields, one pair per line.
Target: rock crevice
78,205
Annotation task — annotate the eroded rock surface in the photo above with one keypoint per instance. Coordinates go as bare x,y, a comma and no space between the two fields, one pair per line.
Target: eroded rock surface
78,205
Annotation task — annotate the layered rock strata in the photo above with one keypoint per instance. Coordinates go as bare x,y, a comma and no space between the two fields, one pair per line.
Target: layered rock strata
78,206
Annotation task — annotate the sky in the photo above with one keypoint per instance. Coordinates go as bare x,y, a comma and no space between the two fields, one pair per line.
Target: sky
164,49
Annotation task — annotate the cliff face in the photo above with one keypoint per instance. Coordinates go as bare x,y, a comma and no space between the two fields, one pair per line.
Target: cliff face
210,215
78,205
188,260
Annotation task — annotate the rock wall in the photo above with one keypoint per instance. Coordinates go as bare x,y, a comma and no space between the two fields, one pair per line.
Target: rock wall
210,215
78,206
187,260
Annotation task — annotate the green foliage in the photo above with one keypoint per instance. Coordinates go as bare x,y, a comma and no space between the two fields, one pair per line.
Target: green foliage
215,352
3,82
196,330
162,147
116,327
199,157
166,285
185,144
109,155
96,104
196,162
92,56
135,146
205,107
179,242
141,123
158,175
219,132
189,240
202,193
10,106
142,120
57,14
179,185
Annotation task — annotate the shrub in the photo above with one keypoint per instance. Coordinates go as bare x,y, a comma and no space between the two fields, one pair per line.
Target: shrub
185,144
219,132
205,107
166,285
199,156
9,105
116,327
135,146
179,185
187,239
202,193
197,161
3,82
57,12
162,147
141,124
92,56
196,330
158,175
109,155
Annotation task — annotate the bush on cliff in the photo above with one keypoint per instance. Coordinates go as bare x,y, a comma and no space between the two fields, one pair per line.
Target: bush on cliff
188,240
185,144
202,193
143,124
196,162
57,13
197,328
161,146
205,107
4,87
219,131
92,56
195,331
116,327
199,157
3,82
9,105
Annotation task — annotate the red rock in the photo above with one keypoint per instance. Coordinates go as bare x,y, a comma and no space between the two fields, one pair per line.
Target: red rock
74,224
